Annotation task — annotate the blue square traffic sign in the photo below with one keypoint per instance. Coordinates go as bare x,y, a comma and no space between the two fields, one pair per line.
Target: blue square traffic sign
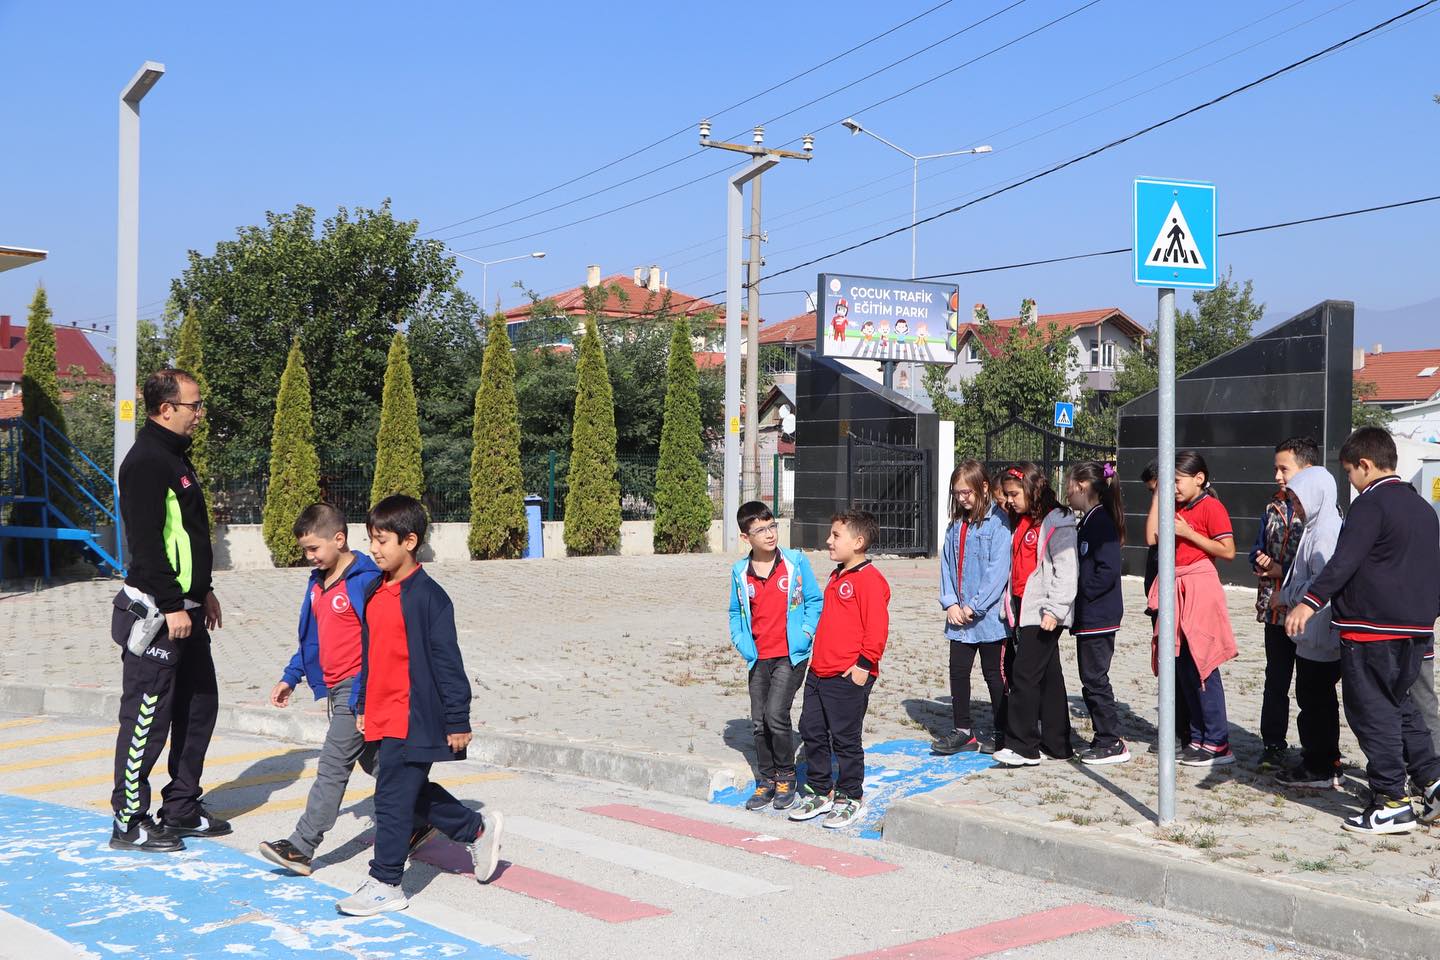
1064,415
1174,233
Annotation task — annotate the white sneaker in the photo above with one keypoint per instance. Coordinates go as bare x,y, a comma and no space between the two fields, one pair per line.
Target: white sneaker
1009,758
485,850
373,897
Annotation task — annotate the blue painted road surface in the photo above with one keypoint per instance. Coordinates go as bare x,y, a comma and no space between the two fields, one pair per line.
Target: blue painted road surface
58,873
893,770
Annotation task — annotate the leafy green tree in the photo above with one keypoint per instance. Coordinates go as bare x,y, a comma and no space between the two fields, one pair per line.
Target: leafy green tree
682,494
592,502
190,357
1363,410
294,464
397,445
343,286
497,487
152,350
89,406
446,351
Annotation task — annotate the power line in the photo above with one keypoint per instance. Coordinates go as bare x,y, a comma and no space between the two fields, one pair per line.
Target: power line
1056,168
680,132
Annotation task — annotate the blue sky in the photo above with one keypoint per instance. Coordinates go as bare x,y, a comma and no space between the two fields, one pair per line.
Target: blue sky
452,110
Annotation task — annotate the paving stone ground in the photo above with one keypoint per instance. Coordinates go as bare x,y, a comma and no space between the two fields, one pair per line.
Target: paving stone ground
633,652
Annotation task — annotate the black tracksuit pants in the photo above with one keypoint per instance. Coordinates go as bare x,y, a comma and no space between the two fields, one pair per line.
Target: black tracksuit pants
1376,679
169,692
1094,654
992,665
832,721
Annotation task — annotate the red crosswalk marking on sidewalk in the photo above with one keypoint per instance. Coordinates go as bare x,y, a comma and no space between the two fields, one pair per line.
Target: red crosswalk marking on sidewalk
560,891
1003,935
821,858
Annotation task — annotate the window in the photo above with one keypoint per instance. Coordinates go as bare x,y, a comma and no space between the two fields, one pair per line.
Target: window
972,353
1428,372
1107,355
1094,354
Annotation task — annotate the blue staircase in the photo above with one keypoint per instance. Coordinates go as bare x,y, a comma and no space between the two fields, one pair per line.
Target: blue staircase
73,500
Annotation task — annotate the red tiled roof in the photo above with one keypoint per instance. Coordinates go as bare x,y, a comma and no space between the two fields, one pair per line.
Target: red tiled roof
1397,375
798,329
72,348
10,407
639,302
709,359
1076,320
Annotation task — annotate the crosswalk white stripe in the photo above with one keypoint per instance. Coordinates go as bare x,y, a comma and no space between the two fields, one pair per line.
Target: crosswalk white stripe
347,879
686,872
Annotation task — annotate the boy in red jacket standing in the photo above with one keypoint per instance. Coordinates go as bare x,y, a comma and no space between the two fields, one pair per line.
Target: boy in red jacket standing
849,642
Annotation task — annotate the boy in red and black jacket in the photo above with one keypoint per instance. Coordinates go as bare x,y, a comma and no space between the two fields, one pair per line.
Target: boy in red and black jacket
414,700
1383,586
849,642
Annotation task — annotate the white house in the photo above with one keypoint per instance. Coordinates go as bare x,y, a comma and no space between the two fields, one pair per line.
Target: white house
1103,339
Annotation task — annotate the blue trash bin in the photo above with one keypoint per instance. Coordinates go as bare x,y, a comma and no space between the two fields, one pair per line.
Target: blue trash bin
535,546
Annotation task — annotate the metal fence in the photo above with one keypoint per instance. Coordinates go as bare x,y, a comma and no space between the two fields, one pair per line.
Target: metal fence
892,481
1018,441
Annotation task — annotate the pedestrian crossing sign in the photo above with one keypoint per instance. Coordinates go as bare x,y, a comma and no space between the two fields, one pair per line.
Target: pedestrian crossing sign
1174,233
1064,415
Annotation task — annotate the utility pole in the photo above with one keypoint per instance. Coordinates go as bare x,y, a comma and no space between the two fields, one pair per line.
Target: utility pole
761,160
752,365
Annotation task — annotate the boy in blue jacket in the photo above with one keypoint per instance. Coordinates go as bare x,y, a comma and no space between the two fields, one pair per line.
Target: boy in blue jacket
414,704
328,659
774,607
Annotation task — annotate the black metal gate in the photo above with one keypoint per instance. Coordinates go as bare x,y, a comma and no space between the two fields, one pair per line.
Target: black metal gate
892,481
1017,441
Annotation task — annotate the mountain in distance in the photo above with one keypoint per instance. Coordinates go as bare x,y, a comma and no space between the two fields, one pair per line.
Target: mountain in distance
1413,327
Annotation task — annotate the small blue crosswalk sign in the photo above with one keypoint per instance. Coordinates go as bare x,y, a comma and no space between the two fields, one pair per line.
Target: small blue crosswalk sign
1064,415
1174,233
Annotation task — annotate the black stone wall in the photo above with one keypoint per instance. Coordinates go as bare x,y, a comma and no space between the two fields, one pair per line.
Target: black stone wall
1294,379
832,400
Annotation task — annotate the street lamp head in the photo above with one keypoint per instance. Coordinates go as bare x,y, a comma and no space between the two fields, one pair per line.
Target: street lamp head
851,124
704,130
538,254
807,143
985,149
146,77
759,136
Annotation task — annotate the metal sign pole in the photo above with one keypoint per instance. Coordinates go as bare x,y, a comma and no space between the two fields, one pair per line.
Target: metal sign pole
1165,490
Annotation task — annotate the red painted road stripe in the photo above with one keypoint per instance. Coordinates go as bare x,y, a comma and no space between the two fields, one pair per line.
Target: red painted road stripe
821,858
1003,935
564,893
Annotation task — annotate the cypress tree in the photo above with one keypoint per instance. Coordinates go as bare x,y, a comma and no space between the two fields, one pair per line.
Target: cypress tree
40,397
682,494
497,486
190,357
592,503
397,445
294,465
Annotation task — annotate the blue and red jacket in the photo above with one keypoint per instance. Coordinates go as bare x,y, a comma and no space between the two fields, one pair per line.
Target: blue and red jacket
1381,582
358,577
439,688
1098,604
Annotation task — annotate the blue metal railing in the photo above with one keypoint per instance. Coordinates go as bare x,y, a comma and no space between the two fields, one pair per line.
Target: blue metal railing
66,504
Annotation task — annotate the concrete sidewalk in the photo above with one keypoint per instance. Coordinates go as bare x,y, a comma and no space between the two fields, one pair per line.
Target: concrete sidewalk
621,668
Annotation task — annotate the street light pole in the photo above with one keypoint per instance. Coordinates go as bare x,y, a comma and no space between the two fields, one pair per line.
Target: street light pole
127,259
485,266
761,160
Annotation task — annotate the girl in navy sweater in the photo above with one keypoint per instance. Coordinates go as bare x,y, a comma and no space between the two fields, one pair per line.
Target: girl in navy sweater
1093,491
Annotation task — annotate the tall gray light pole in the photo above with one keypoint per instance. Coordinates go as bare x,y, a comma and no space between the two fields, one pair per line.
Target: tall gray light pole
761,160
1165,491
752,366
127,256
485,270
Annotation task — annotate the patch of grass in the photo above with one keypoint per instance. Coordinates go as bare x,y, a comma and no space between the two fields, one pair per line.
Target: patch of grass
1054,796
1389,846
686,679
1199,839
1079,819
1280,856
1315,866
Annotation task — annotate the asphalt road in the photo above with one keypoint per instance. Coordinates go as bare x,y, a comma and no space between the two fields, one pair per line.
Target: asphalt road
594,870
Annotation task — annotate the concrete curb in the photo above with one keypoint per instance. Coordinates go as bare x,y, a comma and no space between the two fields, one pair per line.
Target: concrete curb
1066,854
651,771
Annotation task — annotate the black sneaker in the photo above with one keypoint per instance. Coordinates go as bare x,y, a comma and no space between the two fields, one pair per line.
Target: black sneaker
1273,757
1302,777
960,741
784,794
763,795
145,835
418,836
1198,756
1101,754
198,824
1383,816
1429,802
992,744
283,853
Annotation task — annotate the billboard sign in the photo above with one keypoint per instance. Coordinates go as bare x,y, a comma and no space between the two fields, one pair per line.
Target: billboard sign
872,318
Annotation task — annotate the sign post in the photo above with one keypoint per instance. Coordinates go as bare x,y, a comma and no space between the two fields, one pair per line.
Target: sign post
1174,246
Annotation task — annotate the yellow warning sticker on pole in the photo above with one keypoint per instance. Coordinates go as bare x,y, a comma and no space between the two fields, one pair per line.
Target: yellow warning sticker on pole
127,410
734,424
1435,489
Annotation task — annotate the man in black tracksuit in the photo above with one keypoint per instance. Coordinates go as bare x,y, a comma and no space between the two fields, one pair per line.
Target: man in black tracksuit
1383,586
169,689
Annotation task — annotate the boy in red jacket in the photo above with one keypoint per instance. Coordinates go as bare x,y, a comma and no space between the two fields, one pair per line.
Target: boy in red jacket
849,642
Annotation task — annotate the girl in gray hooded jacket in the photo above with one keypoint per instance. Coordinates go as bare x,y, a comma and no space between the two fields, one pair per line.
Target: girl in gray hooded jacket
1313,496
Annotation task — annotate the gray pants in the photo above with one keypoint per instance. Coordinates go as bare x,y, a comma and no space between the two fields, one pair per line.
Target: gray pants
343,746
1422,691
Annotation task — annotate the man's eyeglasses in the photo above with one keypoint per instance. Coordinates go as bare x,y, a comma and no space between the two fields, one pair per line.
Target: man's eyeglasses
196,405
757,531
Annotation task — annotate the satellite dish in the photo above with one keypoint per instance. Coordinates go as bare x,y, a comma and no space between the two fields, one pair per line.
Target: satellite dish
787,419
